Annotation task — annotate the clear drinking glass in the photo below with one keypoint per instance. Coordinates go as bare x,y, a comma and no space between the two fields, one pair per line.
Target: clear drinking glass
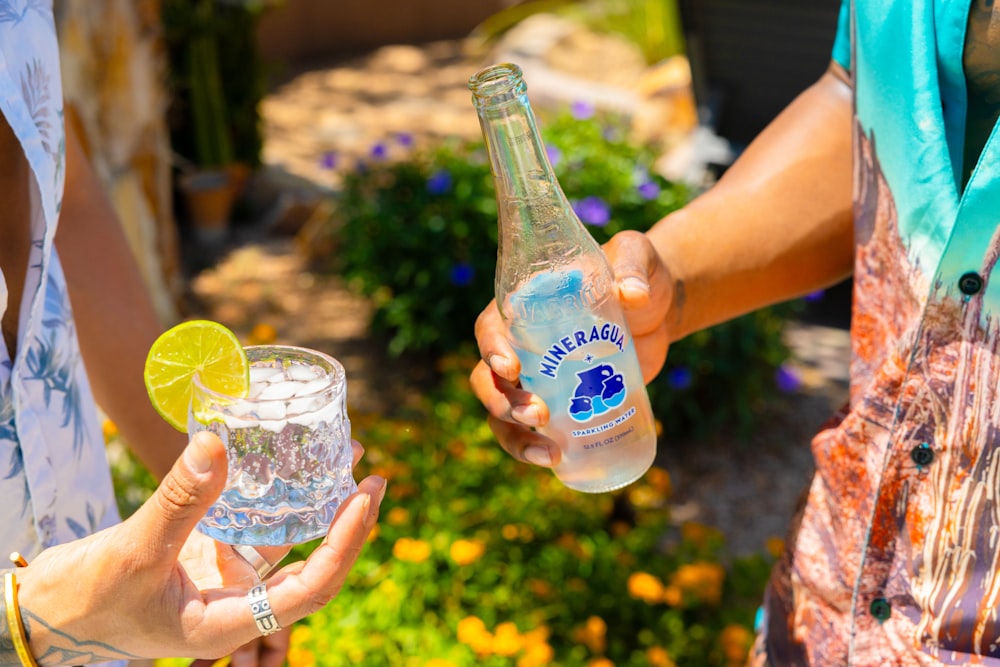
288,444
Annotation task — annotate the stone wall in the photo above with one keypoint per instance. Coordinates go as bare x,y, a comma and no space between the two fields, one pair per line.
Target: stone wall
114,67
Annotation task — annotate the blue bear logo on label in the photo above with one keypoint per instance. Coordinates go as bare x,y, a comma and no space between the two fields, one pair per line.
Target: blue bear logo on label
600,389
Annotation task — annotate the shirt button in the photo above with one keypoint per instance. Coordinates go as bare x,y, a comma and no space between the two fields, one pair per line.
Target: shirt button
880,609
971,283
922,454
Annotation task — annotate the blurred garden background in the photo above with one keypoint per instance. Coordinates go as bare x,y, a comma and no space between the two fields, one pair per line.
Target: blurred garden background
312,173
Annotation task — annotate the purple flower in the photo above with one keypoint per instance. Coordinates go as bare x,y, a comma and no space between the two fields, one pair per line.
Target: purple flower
461,274
328,160
787,379
812,297
439,182
405,139
593,211
649,190
555,155
680,378
581,110
379,151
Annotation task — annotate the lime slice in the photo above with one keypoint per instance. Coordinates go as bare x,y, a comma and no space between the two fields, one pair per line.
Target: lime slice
199,347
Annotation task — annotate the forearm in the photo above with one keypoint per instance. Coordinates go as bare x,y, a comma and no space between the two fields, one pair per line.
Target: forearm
115,319
776,226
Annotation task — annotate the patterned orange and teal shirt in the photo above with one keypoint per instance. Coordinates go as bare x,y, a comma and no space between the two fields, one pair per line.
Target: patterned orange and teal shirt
895,557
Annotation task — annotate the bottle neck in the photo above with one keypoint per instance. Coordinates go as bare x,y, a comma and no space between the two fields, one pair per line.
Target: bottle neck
518,158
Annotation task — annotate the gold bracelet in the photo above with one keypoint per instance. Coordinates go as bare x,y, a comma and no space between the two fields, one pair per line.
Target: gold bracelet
14,622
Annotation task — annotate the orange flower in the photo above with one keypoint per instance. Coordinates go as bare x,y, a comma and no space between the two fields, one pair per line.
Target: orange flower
466,552
537,637
644,586
658,657
659,480
536,655
374,533
735,641
600,662
473,633
509,532
593,634
397,516
620,528
698,533
262,334
414,551
506,639
775,546
439,662
645,497
539,588
570,543
298,655
673,596
702,579
110,430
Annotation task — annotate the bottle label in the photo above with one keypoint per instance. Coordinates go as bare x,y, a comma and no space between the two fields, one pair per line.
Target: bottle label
582,375
598,388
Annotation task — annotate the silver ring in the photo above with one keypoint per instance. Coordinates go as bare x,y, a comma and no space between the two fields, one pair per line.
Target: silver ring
260,607
256,561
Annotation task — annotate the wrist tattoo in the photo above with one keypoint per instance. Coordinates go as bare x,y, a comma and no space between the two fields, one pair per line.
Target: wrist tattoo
65,649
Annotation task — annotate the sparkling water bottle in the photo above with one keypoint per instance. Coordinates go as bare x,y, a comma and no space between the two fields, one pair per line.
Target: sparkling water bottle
556,291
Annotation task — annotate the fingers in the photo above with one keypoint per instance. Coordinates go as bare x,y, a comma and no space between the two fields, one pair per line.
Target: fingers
182,498
525,444
267,651
274,648
494,348
651,349
513,413
505,399
357,451
302,588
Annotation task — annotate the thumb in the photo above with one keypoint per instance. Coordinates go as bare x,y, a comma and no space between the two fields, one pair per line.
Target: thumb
182,498
632,260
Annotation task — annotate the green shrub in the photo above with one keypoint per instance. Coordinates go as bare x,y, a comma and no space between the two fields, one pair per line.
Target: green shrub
479,559
483,560
418,236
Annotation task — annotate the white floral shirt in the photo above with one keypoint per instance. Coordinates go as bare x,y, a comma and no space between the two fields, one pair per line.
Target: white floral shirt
55,484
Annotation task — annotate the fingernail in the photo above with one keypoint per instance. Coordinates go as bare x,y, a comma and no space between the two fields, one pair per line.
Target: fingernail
196,457
634,286
380,494
538,455
499,364
526,414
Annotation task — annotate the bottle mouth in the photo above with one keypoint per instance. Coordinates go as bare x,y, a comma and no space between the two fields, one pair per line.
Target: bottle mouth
496,84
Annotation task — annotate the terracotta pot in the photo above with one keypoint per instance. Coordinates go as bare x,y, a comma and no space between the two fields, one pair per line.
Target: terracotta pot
209,196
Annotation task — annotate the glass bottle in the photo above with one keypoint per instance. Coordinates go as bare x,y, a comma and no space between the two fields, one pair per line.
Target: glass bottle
557,294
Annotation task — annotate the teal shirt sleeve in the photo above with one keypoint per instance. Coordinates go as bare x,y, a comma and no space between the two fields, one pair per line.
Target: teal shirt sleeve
842,44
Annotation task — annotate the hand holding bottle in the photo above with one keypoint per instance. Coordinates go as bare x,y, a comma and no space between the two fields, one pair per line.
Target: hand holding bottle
647,293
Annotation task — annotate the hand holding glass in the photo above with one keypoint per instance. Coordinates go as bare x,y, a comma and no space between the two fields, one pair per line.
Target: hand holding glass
289,448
